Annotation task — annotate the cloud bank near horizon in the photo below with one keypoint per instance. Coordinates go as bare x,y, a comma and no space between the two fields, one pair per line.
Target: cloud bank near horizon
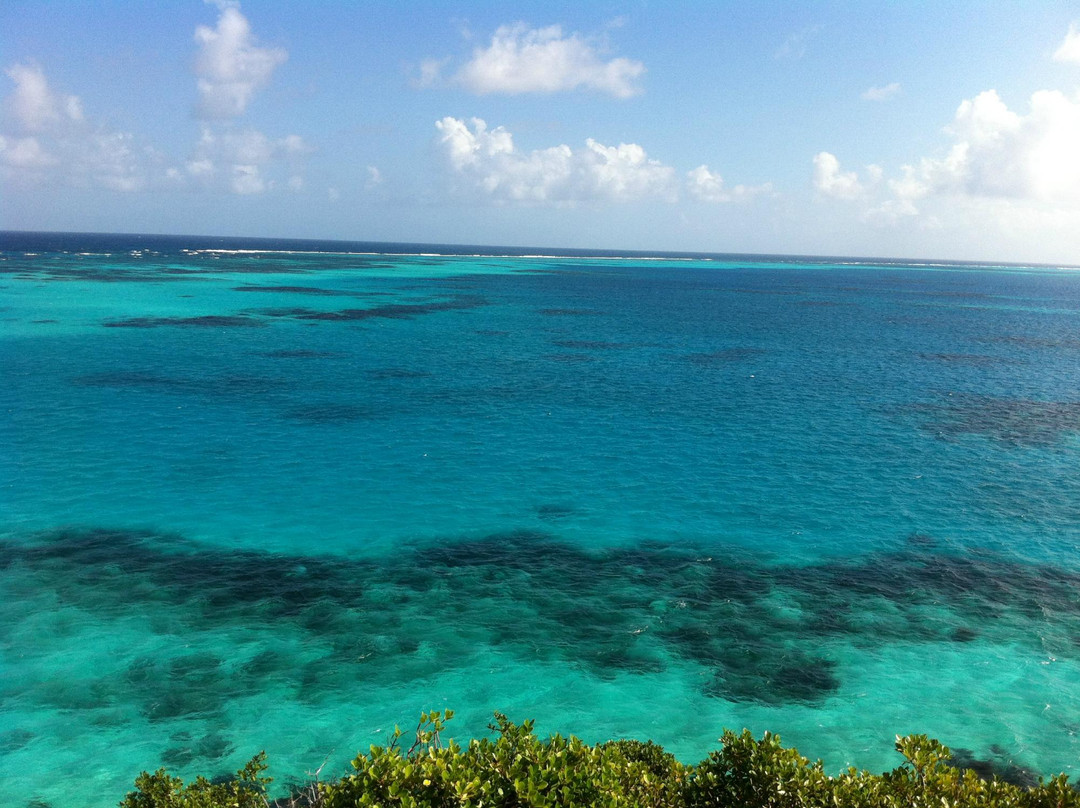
488,164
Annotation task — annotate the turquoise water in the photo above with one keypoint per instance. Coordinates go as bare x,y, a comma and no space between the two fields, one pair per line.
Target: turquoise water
285,500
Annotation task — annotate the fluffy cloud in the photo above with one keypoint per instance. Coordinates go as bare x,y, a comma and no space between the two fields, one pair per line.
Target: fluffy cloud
49,140
998,159
230,65
1000,153
53,142
34,106
831,181
881,93
491,164
1006,180
246,162
1070,48
539,60
705,186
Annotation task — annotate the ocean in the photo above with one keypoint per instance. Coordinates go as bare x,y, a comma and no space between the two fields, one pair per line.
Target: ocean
281,495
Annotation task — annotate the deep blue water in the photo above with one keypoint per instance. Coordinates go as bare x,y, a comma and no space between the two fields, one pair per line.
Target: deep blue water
263,494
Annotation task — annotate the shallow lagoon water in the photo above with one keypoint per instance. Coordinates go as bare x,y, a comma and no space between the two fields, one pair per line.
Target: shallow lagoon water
285,500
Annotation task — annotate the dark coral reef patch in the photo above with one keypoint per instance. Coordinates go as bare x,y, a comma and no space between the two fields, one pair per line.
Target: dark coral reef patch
204,321
1010,422
760,632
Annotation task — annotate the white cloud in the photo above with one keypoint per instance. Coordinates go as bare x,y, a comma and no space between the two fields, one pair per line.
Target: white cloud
994,152
624,172
490,161
1070,48
231,66
999,153
1005,181
881,93
491,164
374,177
831,181
241,160
540,60
25,152
33,104
706,186
112,160
63,147
53,142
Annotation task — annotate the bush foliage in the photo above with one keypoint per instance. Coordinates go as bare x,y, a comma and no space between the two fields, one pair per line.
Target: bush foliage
515,769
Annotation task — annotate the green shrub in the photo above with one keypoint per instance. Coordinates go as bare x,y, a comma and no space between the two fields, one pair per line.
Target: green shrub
515,769
160,790
745,771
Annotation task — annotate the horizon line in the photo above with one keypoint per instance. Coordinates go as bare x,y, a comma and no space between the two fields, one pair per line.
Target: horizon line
515,251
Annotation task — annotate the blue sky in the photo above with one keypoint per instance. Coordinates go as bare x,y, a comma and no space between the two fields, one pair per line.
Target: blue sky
946,130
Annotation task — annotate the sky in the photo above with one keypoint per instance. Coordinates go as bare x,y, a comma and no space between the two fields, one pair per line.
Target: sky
911,130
